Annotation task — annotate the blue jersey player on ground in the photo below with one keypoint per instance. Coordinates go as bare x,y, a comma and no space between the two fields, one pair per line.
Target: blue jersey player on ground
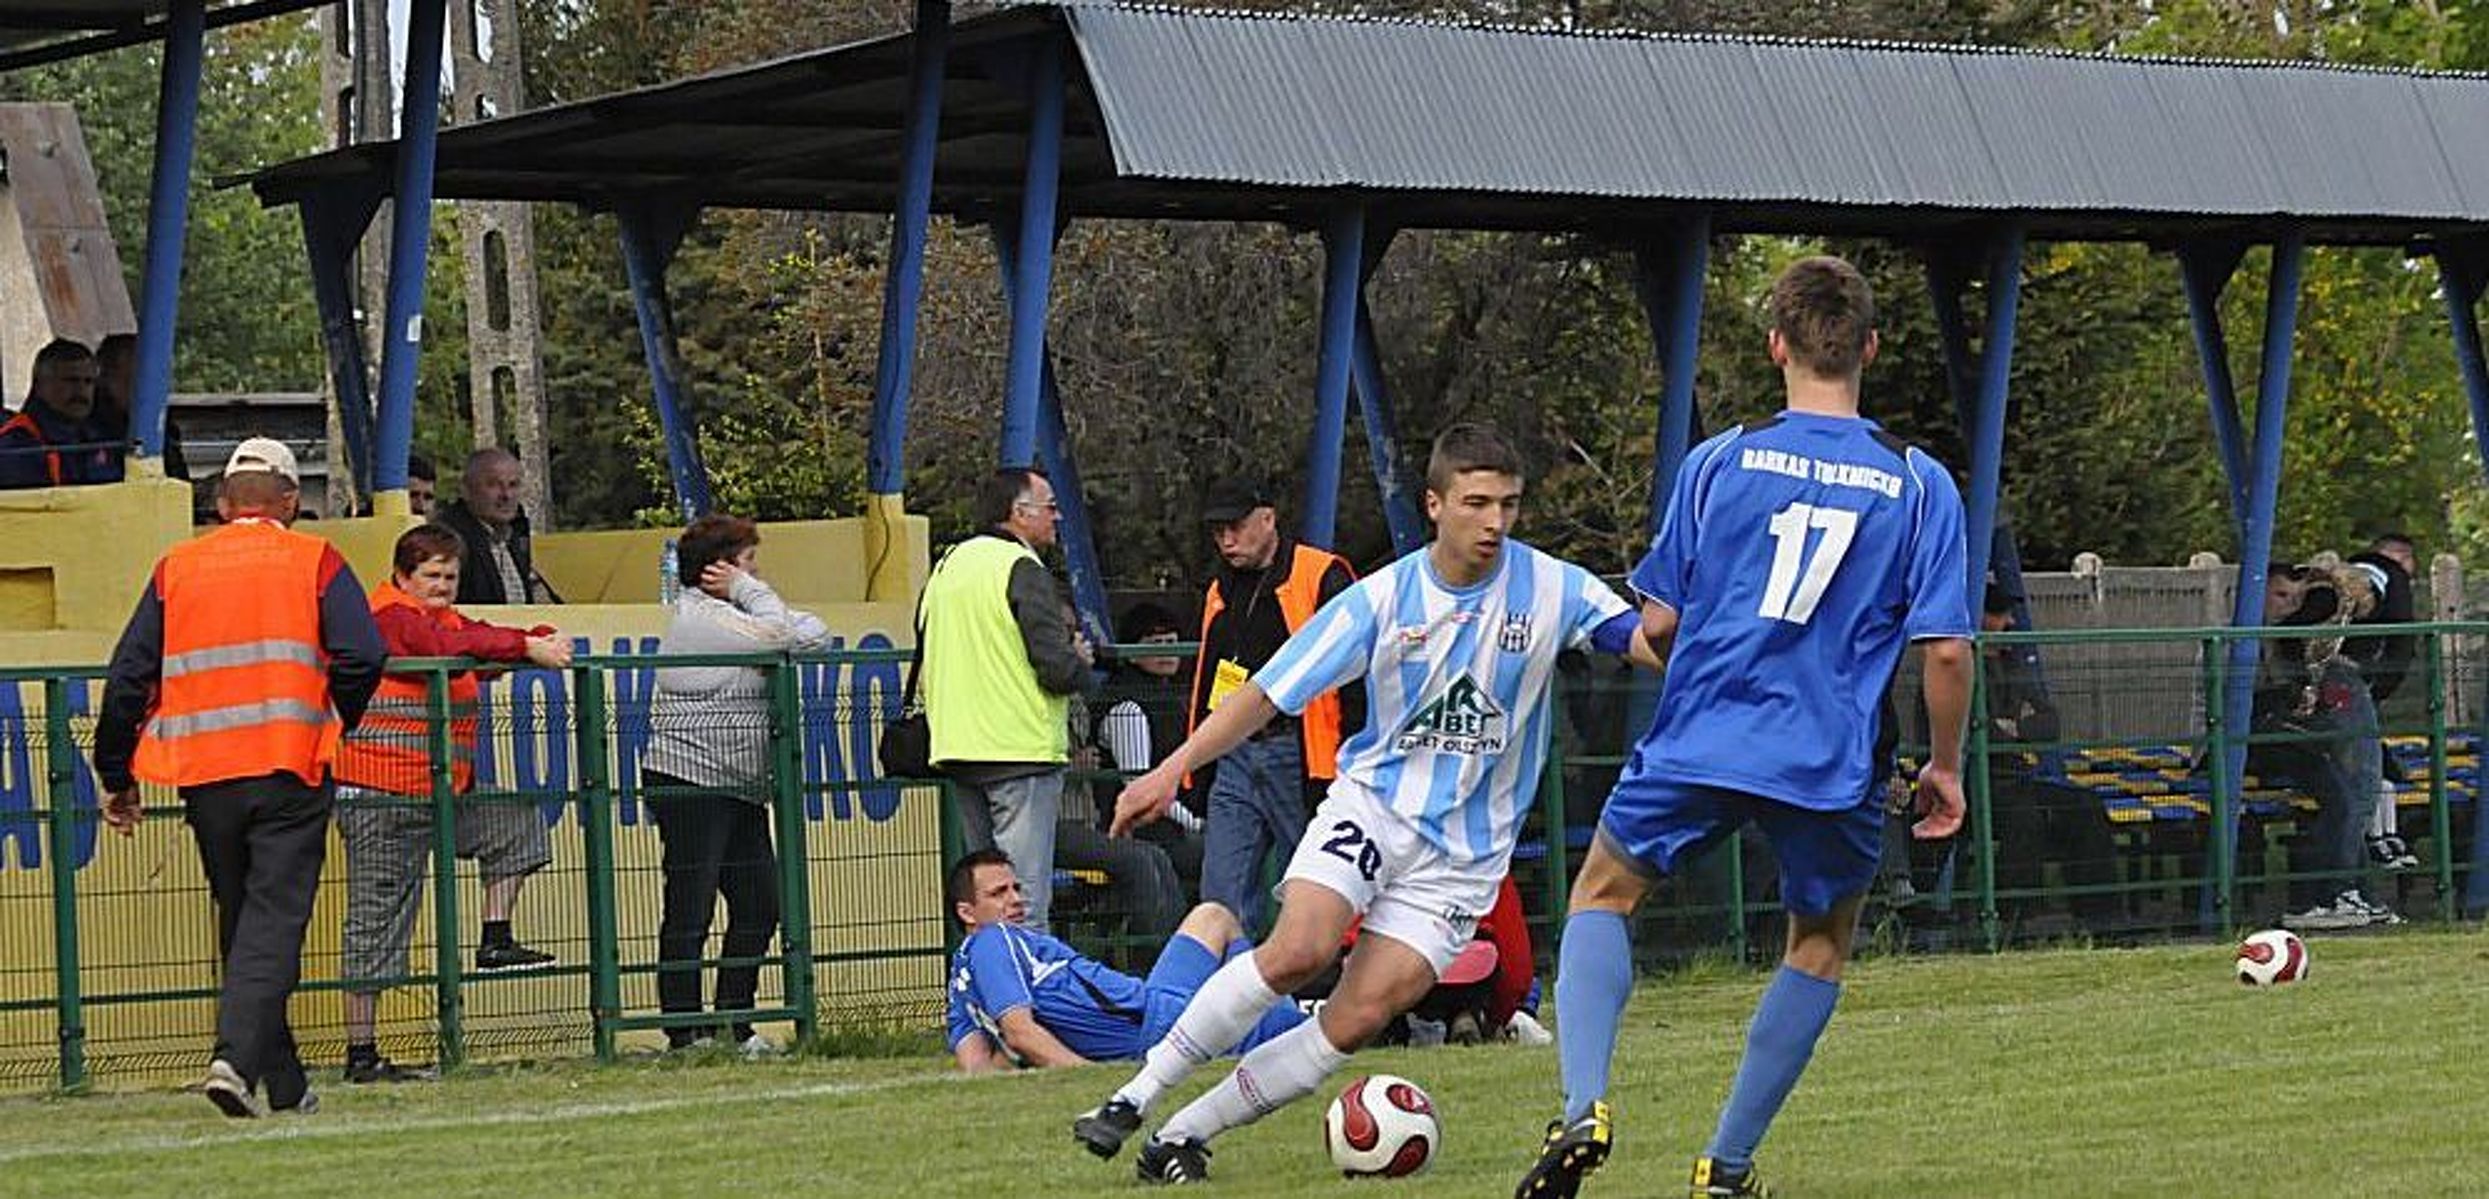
1797,558
1456,644
1021,998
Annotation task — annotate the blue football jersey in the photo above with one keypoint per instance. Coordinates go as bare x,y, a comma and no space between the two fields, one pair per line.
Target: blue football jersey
1800,553
1097,1012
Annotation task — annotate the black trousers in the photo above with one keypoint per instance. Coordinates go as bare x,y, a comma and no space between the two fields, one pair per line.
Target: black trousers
714,844
262,842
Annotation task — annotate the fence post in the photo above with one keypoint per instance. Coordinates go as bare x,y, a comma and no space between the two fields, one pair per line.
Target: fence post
2441,823
1737,895
596,819
447,991
786,745
61,811
1559,853
1982,813
2221,884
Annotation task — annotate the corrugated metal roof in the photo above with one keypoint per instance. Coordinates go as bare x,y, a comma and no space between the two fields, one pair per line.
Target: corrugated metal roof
1204,115
1301,102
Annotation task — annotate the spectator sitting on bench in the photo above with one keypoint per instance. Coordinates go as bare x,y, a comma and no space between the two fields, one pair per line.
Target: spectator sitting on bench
1141,716
2309,687
1141,880
2037,820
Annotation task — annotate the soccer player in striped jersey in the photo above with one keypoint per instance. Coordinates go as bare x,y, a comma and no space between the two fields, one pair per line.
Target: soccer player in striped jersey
1797,557
1456,644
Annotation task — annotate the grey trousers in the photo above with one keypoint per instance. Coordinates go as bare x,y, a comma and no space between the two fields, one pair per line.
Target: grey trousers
1017,817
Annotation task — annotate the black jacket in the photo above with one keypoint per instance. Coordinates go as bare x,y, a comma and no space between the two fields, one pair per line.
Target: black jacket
2383,661
479,581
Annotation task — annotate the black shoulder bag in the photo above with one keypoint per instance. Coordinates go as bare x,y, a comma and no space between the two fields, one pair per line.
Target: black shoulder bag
906,747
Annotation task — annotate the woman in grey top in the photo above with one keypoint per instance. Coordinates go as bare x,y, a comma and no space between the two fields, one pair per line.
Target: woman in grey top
707,772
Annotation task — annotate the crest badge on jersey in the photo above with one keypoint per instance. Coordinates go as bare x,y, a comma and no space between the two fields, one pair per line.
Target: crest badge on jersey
1515,639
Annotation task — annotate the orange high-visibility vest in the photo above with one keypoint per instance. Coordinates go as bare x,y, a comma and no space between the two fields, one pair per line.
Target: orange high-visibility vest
245,682
391,750
51,457
1300,594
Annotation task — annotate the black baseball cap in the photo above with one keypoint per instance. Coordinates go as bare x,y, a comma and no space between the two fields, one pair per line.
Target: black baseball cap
1231,500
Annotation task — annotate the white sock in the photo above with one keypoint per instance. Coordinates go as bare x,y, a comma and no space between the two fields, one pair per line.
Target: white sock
1220,1014
1278,1072
2385,821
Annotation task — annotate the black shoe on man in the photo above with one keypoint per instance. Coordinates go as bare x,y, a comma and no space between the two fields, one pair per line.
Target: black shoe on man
496,957
1568,1155
1174,1163
1104,1129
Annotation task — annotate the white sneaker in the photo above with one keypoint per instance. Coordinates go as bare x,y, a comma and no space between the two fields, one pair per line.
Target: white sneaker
224,1088
2325,917
1525,1029
2377,913
2390,853
756,1047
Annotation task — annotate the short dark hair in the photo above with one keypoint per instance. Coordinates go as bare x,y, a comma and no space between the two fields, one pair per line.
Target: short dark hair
1466,447
1001,490
420,467
1145,619
961,886
61,350
716,537
1825,313
115,347
425,542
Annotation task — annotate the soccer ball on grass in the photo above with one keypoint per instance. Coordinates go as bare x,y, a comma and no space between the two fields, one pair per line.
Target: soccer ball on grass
1381,1126
2271,958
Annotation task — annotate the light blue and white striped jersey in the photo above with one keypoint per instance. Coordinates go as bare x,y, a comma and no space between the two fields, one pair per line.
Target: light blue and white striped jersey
1457,714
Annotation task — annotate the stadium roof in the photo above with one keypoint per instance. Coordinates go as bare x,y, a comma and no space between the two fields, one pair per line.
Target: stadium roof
1195,114
39,31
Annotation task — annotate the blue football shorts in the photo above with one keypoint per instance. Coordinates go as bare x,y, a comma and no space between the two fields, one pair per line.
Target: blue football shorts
1825,856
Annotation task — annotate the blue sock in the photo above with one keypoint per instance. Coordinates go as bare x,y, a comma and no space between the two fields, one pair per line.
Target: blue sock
1794,1011
1594,977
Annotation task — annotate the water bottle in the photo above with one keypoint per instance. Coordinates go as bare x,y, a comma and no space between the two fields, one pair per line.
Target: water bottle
669,573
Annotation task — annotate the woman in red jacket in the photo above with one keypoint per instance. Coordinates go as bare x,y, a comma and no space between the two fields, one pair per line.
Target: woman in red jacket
384,792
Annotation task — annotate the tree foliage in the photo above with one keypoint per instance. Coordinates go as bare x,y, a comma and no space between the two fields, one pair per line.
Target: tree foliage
1186,351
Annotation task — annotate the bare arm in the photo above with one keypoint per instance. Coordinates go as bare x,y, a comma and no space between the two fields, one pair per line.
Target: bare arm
1659,631
1946,669
976,1054
1033,1043
1240,715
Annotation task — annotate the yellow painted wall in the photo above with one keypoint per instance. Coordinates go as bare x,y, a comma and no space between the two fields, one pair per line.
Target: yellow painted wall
75,557
71,561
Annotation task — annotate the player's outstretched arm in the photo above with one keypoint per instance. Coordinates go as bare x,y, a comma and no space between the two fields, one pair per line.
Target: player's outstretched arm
1946,671
1036,1046
1240,715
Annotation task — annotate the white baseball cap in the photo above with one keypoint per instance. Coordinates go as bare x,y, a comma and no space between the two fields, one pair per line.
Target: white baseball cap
263,455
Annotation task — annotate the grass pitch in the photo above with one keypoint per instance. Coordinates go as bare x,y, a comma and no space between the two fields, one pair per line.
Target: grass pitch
2099,1072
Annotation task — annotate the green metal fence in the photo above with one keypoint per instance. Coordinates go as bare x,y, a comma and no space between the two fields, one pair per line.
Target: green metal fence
110,970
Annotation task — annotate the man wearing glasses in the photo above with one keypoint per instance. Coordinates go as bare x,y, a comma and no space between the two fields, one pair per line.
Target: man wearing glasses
1000,663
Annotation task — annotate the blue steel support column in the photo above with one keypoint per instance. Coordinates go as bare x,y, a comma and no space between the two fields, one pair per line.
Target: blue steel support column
651,232
1948,277
903,282
1033,273
410,237
1343,269
1668,277
333,221
2464,270
2204,269
168,222
1382,433
2255,554
1996,366
1052,453
1077,536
